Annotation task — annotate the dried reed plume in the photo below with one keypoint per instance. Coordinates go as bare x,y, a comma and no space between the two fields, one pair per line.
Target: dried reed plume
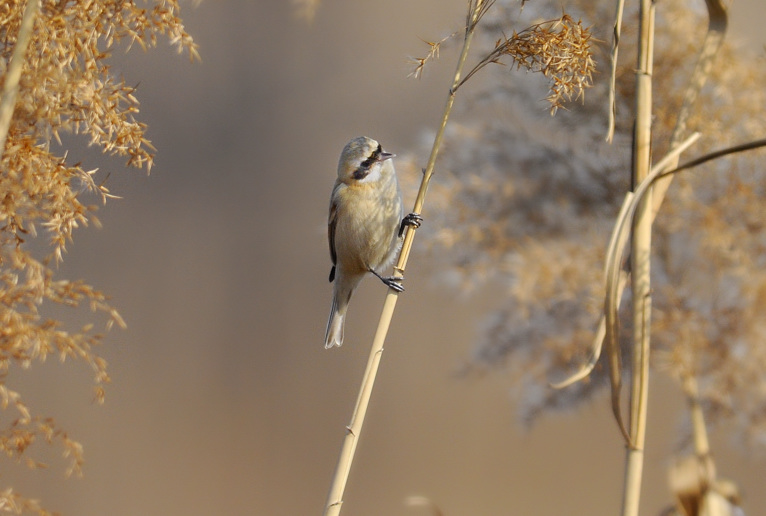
558,49
55,78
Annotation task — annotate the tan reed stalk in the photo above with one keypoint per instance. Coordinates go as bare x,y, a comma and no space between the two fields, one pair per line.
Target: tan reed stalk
353,430
13,74
640,264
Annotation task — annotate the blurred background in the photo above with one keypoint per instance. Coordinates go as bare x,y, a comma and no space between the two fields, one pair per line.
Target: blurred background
224,400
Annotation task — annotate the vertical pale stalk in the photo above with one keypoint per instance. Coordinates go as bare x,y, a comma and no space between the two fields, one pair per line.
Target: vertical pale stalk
353,430
13,74
640,264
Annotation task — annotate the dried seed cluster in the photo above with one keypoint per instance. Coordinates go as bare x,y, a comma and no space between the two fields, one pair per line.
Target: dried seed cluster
559,49
66,85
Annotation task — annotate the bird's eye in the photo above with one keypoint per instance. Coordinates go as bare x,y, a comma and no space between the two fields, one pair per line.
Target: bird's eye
366,164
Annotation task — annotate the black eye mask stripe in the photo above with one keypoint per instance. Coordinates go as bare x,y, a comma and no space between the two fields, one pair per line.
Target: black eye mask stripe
364,166
372,159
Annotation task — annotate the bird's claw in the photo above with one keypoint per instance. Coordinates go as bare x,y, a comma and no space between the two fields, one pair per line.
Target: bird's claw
413,220
394,282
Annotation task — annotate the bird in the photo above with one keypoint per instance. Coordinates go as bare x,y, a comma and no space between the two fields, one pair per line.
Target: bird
364,226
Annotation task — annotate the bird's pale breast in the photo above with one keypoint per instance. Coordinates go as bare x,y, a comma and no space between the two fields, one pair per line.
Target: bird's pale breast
368,221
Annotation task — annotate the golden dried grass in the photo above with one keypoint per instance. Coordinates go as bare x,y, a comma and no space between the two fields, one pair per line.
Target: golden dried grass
63,84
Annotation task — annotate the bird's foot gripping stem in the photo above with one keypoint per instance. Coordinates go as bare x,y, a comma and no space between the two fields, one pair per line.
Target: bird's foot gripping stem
393,282
413,220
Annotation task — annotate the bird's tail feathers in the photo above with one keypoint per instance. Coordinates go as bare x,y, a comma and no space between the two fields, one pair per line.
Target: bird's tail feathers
334,334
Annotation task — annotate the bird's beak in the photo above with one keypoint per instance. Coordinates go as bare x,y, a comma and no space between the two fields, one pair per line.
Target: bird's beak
385,155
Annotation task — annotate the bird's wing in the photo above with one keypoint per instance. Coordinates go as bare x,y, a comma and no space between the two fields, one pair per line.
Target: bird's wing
331,223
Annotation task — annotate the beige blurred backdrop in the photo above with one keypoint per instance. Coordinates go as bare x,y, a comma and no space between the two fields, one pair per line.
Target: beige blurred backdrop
223,399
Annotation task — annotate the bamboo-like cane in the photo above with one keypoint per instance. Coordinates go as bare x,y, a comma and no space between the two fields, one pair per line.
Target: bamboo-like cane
353,430
640,264
13,74
641,243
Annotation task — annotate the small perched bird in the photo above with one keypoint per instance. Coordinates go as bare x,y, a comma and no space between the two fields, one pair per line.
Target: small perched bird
364,227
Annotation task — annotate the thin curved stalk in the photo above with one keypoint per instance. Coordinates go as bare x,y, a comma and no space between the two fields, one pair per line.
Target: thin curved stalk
353,430
618,276
615,276
755,144
614,287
